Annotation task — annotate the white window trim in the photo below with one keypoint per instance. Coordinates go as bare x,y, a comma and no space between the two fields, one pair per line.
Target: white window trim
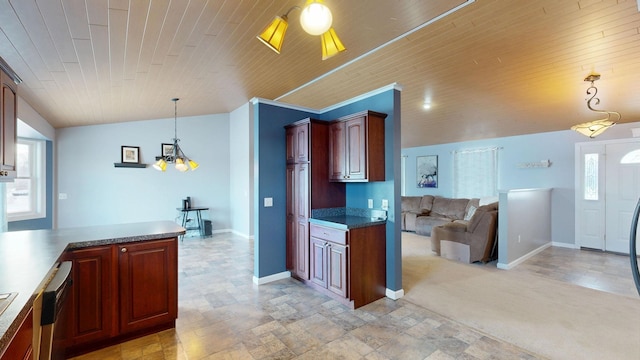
39,201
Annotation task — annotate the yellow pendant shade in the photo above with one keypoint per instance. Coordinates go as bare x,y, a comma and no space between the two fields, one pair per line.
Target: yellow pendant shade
160,165
180,165
273,35
593,128
194,165
331,44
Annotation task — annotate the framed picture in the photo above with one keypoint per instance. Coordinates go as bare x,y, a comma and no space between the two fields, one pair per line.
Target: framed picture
167,150
427,171
130,154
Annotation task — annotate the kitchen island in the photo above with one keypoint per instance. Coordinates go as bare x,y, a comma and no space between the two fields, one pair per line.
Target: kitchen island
27,258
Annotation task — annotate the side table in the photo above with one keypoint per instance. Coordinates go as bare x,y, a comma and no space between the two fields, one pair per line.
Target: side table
185,218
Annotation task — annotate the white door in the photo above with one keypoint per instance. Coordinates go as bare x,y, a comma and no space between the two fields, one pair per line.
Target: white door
622,194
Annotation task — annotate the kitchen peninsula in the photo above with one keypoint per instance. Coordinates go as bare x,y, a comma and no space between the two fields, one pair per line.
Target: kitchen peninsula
112,260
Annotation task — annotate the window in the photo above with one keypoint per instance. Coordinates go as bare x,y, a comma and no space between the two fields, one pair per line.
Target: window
475,173
26,195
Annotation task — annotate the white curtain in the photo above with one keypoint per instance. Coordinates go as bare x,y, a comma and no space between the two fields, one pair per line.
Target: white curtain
475,173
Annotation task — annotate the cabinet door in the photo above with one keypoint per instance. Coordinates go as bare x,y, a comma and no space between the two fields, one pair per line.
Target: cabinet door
148,284
302,143
91,306
8,138
290,216
338,269
337,158
318,262
20,347
356,149
290,137
302,249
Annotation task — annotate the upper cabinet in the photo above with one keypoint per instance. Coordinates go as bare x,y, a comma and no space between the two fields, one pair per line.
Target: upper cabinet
8,118
356,148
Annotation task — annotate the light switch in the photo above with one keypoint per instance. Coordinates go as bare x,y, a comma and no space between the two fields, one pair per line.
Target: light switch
370,203
268,202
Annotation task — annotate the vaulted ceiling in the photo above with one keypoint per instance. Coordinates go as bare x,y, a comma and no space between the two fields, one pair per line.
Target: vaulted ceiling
489,68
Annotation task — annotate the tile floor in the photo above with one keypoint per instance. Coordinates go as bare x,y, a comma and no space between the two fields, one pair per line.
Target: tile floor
223,315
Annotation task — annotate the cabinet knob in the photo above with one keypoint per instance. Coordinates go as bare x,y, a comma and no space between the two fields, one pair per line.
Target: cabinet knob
124,250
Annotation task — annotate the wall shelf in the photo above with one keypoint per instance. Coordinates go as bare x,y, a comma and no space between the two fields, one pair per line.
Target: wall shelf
130,165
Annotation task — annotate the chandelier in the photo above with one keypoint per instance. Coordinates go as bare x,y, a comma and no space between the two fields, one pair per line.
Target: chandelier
175,155
596,127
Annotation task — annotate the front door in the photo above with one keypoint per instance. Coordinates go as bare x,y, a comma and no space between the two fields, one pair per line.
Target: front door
622,193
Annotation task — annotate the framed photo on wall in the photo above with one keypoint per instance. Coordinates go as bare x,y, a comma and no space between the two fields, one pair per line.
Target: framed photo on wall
130,154
167,150
427,171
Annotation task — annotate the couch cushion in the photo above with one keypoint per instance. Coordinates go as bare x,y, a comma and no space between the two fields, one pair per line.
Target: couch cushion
449,208
426,203
424,224
411,203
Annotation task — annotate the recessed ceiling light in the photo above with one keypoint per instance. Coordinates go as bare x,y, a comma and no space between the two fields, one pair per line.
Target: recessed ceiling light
426,105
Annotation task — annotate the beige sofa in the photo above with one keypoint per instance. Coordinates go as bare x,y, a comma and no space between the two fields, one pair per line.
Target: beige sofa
471,241
422,213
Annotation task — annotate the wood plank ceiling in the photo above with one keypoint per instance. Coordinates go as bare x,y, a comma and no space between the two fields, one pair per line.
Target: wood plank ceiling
492,68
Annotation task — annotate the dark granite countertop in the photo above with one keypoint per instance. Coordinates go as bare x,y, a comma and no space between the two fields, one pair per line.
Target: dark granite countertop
348,218
27,258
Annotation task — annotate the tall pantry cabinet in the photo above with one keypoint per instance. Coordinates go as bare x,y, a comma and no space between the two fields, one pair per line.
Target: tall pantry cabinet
308,187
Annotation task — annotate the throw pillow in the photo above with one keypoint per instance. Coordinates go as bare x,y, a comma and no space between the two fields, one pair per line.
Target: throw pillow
469,215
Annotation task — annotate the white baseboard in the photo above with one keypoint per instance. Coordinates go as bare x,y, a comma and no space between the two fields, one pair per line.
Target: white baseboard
523,258
246,236
394,294
565,245
271,278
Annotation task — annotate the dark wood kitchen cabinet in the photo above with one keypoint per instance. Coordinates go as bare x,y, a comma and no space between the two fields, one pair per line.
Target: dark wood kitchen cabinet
349,264
356,148
148,284
308,188
8,119
20,346
119,292
91,304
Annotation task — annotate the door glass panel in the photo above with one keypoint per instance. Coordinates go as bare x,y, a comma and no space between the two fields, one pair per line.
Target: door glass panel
591,176
632,157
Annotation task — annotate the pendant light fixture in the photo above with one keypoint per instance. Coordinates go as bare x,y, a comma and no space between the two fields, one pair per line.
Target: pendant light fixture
596,127
176,156
315,19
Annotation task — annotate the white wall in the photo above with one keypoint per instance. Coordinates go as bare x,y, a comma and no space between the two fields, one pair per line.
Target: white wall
99,194
241,166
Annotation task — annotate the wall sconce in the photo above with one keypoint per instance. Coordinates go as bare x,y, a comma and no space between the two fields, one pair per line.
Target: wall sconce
315,19
596,127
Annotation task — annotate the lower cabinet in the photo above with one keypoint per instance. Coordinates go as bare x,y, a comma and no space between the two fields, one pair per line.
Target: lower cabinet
119,292
20,346
349,264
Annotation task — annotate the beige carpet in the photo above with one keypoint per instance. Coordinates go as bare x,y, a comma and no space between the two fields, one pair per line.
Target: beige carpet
548,317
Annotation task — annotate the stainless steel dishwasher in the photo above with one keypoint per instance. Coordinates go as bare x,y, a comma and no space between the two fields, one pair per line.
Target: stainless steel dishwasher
50,300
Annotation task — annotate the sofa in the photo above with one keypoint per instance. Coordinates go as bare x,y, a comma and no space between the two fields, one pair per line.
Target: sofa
421,213
470,241
460,229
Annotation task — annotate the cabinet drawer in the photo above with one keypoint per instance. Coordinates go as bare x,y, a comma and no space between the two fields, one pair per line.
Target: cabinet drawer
329,234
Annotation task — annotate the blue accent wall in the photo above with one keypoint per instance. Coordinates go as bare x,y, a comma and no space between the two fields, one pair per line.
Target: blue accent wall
270,177
270,181
46,222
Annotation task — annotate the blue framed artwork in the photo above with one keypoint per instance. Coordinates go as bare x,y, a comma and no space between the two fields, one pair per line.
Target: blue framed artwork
427,171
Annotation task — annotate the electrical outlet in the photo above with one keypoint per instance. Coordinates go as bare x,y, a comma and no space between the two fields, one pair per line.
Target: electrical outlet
268,202
62,196
385,204
370,203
